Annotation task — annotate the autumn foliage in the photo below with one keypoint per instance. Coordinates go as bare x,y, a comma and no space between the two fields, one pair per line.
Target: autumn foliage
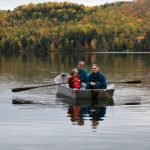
40,28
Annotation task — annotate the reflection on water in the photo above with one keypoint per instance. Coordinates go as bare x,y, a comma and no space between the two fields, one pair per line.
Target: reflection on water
115,66
122,122
93,110
79,114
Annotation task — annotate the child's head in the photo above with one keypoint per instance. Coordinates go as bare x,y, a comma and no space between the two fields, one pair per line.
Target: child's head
74,72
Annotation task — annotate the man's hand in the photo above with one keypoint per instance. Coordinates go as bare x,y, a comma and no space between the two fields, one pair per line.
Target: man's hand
92,83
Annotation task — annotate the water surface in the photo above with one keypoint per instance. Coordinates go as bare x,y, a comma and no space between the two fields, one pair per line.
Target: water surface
54,122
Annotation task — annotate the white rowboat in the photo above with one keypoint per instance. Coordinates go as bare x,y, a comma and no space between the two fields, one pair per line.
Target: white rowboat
64,90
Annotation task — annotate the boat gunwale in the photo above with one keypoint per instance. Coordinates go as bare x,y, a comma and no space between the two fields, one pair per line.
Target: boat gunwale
64,85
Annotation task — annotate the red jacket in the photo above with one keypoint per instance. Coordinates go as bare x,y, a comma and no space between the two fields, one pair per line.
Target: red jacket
74,82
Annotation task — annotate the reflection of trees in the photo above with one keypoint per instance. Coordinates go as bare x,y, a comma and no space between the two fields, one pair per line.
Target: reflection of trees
56,63
117,66
52,57
93,58
86,54
108,63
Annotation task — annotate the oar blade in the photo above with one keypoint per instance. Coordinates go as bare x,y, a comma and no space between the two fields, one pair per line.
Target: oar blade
128,82
22,89
133,82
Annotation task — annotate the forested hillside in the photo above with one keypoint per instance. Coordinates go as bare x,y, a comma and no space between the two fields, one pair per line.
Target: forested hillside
67,26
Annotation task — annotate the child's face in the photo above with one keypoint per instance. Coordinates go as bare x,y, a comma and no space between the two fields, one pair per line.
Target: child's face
75,74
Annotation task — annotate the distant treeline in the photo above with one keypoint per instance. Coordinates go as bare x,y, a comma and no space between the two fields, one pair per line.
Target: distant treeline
39,28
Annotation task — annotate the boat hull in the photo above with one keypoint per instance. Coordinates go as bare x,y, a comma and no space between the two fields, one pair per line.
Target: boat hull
85,94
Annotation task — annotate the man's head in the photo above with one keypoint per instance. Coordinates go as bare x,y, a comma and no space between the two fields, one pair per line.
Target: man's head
81,64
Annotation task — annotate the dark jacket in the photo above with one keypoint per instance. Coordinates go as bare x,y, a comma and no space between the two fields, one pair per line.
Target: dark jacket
83,75
99,79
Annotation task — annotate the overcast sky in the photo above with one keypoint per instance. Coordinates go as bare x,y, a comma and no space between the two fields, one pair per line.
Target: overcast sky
11,4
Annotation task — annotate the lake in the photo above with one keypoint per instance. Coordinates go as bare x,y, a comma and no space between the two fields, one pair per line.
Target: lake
55,123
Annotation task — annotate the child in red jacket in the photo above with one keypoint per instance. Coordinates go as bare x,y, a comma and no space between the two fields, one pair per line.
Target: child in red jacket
73,80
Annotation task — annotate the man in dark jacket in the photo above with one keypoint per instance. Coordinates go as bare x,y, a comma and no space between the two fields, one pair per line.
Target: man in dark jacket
96,79
82,74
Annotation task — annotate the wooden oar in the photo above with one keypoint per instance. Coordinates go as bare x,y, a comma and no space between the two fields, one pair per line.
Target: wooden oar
33,87
130,82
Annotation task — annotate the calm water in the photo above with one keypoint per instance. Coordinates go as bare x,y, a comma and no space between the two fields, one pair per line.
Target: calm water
58,123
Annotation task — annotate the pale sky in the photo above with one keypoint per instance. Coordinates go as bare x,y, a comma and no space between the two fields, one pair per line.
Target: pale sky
11,4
